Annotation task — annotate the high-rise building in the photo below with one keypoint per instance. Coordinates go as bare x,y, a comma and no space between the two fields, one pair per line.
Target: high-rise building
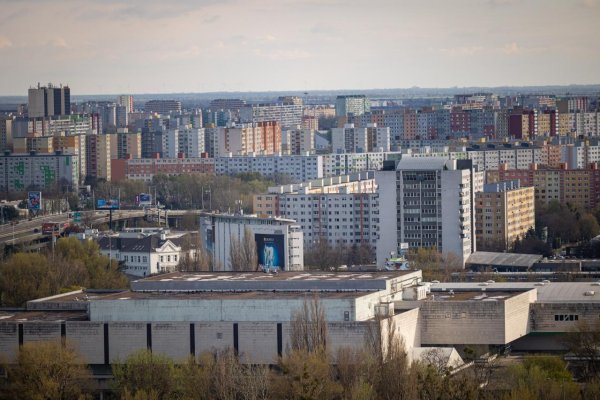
98,156
288,115
127,102
504,211
185,140
356,104
163,106
260,138
47,101
6,135
435,204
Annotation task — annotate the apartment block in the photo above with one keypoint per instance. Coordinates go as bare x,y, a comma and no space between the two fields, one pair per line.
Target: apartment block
20,172
144,169
342,210
299,168
286,114
262,138
504,211
297,141
435,200
579,187
98,156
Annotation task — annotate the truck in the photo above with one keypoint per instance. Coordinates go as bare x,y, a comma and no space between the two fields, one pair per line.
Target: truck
56,228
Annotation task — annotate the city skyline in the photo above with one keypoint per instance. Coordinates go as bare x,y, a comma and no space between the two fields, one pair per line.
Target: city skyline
203,46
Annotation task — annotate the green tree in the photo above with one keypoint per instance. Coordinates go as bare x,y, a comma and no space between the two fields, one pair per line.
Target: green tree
47,370
23,277
146,373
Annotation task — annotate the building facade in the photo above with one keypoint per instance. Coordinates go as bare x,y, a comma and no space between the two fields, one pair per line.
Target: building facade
504,211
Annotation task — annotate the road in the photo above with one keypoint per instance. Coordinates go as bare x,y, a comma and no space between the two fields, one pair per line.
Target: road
23,231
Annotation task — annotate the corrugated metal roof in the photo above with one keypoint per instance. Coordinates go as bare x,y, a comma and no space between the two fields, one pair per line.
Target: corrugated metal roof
503,259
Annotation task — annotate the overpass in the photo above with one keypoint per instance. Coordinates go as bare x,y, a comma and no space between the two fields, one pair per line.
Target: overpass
27,231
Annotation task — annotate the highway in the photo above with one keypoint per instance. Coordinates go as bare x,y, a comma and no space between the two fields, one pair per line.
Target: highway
24,230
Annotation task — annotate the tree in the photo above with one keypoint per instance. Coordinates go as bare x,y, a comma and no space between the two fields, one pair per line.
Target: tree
199,259
309,327
542,377
305,375
243,255
47,370
390,372
324,257
584,341
147,373
23,277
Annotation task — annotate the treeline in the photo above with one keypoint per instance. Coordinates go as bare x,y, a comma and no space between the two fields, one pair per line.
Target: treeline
556,225
308,370
194,191
323,256
70,266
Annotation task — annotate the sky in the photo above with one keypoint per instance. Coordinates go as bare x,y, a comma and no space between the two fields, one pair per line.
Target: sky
167,46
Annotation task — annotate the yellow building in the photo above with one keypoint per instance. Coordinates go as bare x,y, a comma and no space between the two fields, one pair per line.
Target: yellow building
504,211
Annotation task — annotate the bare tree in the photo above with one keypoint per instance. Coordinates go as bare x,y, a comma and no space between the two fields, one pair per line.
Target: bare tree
390,372
196,257
309,327
243,255
584,342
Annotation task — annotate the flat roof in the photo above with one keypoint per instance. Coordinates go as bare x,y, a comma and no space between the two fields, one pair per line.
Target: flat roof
503,259
554,292
47,316
473,295
260,281
256,295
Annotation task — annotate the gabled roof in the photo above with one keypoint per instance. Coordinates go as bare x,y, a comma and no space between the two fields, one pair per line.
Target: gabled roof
146,244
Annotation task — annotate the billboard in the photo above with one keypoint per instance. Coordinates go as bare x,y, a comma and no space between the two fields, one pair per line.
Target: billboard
271,251
107,204
34,200
144,199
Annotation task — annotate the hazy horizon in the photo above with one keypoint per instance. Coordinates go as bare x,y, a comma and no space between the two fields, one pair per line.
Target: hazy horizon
204,46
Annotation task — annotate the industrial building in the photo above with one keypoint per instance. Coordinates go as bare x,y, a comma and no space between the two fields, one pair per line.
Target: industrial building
183,314
279,241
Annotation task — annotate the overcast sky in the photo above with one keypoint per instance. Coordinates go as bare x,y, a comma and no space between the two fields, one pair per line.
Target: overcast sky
155,46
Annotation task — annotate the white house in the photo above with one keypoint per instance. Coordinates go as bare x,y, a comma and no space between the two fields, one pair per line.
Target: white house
145,255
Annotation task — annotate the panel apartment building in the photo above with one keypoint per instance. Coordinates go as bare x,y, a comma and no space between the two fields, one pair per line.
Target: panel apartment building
435,200
342,210
504,211
20,172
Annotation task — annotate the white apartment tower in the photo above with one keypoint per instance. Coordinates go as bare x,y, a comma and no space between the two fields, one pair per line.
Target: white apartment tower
435,204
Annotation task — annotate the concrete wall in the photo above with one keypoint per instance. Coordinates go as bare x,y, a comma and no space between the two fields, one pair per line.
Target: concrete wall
41,332
213,336
9,341
125,338
516,310
87,338
218,309
258,342
542,318
171,340
462,322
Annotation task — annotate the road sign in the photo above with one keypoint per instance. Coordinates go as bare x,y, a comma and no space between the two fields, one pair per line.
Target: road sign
77,217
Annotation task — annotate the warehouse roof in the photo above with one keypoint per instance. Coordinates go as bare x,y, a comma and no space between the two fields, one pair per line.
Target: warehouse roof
503,259
555,292
282,281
